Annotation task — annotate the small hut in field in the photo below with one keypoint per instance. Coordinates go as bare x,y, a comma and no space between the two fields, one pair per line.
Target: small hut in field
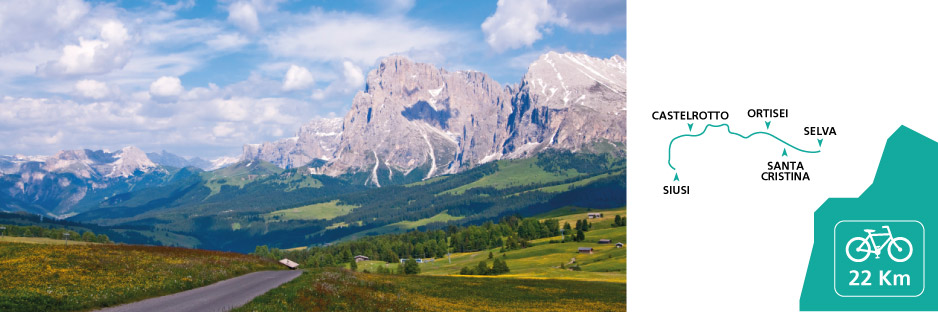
289,263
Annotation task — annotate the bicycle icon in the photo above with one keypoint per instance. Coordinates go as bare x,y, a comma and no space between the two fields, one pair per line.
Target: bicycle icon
867,246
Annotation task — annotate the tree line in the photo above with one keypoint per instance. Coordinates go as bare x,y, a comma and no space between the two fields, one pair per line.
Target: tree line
54,233
512,232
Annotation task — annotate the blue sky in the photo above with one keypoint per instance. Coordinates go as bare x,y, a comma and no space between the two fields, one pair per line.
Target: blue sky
202,78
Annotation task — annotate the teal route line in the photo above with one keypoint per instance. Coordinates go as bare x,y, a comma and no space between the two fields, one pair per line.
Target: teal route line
733,133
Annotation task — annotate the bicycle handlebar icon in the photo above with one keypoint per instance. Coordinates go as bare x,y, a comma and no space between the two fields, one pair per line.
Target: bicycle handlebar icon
867,246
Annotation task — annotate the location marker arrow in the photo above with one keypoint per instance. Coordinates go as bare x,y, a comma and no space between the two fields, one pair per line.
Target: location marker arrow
819,141
675,177
767,123
690,126
784,152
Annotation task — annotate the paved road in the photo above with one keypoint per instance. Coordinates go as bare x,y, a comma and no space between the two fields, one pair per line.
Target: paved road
221,296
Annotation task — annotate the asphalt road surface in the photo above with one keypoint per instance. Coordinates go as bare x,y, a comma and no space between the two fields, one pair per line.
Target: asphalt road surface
221,296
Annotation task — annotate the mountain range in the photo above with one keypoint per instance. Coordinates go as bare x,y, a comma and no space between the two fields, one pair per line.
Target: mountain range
419,146
415,121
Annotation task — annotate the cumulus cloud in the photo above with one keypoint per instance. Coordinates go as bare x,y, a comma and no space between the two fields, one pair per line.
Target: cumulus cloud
353,75
92,56
26,24
519,23
166,86
361,39
223,129
297,78
92,89
594,16
243,15
351,79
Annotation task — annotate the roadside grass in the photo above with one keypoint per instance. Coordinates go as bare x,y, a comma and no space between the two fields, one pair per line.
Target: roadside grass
327,211
51,277
342,290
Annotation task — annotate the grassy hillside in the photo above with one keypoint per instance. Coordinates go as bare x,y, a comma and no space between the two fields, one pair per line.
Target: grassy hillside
47,277
514,173
325,211
342,290
256,203
399,227
546,257
543,259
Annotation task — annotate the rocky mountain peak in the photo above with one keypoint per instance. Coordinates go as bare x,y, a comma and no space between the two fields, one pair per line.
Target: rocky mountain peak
317,139
416,116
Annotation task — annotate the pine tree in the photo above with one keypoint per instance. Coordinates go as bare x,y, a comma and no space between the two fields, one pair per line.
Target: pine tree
353,265
482,268
410,266
499,267
580,236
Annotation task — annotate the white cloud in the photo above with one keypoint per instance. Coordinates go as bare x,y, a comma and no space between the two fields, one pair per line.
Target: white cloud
227,42
243,15
166,86
362,39
54,138
518,23
26,24
595,16
92,89
297,78
353,75
235,109
223,129
350,80
92,56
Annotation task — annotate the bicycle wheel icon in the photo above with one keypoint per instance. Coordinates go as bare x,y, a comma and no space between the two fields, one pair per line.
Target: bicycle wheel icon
900,249
858,249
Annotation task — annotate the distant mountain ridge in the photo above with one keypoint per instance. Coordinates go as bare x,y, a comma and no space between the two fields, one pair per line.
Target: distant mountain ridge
61,184
169,159
416,121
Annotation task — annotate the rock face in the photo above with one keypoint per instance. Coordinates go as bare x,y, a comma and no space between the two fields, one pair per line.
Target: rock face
315,140
568,101
413,115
